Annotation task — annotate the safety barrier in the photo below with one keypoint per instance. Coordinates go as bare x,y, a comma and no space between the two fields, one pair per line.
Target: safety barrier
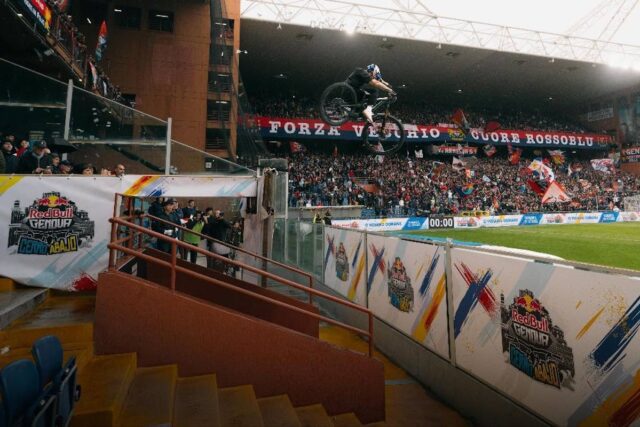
557,338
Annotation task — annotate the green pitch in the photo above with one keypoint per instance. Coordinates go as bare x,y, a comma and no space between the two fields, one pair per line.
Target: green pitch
613,245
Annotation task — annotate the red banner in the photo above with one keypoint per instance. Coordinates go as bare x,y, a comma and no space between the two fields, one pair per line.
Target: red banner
300,129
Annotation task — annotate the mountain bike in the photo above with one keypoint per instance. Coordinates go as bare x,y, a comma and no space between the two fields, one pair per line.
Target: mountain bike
339,104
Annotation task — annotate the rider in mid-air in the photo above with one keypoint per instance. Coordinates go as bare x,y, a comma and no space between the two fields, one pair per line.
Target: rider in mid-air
366,82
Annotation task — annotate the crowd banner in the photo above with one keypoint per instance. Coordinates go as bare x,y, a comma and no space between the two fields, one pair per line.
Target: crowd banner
561,341
630,155
314,129
54,231
406,288
345,263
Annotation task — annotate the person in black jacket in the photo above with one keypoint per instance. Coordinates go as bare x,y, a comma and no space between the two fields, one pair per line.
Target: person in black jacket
36,160
168,230
218,228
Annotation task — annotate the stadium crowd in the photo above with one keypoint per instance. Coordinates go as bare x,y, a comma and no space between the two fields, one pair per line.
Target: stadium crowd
424,114
403,186
37,158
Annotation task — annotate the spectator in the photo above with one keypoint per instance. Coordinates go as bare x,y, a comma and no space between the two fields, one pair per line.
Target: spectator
167,229
327,218
196,224
65,168
86,169
10,158
155,209
218,229
36,160
119,170
22,147
189,211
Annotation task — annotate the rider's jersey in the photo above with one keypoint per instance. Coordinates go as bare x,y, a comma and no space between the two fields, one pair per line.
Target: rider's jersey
359,78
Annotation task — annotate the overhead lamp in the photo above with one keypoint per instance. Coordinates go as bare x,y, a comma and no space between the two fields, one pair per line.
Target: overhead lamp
89,21
279,27
19,15
241,51
439,46
116,10
552,60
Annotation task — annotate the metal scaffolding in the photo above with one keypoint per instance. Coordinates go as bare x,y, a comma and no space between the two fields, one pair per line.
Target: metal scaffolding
411,19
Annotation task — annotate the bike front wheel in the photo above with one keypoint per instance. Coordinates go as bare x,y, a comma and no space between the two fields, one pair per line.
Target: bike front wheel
385,136
338,103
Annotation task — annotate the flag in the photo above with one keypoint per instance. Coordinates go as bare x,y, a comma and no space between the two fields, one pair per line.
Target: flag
470,173
460,120
465,190
296,147
63,5
486,179
555,194
603,165
94,74
457,164
557,156
437,168
492,126
101,47
379,148
514,155
419,154
536,187
490,150
543,171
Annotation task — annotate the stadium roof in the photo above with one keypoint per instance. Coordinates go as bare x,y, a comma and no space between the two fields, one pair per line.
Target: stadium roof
304,60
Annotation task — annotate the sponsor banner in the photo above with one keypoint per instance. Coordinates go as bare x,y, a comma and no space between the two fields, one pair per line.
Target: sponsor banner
467,222
583,218
531,219
407,289
561,341
629,216
384,224
440,222
603,114
356,224
501,221
607,217
553,218
416,223
345,263
630,155
54,232
300,129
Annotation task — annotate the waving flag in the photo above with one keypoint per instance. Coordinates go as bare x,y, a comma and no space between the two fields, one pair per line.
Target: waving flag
490,150
419,154
557,156
514,155
296,147
460,120
492,126
543,171
465,190
555,194
603,165
457,164
101,47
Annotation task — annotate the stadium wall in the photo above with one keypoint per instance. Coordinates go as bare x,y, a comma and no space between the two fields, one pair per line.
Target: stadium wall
504,339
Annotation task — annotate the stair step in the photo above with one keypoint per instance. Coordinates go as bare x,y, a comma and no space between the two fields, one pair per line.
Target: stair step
83,353
151,397
196,402
15,303
105,382
346,420
19,337
239,407
314,416
7,284
277,411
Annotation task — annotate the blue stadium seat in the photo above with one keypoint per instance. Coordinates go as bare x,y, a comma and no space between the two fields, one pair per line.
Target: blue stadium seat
60,381
24,401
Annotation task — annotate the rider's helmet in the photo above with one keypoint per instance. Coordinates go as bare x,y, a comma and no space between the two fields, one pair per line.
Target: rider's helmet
373,68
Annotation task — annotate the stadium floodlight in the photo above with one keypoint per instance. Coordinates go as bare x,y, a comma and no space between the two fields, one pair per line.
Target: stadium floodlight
410,19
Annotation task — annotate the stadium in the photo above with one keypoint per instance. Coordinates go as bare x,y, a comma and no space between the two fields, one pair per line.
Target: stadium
319,213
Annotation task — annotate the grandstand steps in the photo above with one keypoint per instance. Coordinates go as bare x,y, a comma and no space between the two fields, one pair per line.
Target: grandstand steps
82,351
16,301
346,420
278,411
196,402
105,385
314,416
239,407
151,396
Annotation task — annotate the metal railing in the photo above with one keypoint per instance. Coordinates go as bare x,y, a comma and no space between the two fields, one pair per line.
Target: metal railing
135,250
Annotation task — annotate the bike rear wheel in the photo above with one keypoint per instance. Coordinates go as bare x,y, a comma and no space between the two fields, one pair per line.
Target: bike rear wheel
338,103
385,136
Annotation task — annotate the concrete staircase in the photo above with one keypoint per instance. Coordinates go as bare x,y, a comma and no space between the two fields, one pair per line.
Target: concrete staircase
116,392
